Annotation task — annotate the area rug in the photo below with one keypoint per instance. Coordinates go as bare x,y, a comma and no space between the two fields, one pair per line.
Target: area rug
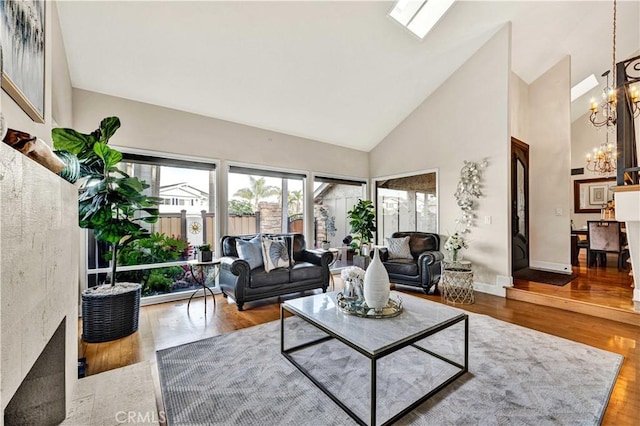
516,376
545,277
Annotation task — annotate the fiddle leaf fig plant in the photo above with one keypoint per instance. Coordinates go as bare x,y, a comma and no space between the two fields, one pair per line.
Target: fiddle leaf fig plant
362,221
110,202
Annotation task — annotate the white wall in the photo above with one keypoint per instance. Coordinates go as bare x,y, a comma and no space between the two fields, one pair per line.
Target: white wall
584,137
150,127
519,108
57,90
467,118
549,168
61,109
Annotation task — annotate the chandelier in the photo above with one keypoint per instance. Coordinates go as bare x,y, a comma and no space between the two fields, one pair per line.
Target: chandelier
604,158
606,114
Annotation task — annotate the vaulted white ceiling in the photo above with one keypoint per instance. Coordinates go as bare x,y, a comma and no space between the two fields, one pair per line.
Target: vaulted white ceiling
338,72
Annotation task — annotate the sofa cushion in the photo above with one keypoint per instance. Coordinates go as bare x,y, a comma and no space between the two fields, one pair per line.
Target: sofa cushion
262,278
398,248
420,241
251,251
401,266
303,271
275,252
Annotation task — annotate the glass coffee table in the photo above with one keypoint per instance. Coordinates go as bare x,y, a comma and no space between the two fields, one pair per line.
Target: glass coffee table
376,339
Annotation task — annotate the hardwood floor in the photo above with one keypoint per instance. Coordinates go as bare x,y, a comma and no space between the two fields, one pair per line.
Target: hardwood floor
169,324
603,286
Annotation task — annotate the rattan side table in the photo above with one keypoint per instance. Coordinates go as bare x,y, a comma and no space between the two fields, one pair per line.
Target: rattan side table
456,282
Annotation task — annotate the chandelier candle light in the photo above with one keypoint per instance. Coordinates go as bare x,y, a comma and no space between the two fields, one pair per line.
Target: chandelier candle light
608,108
607,116
610,95
604,156
604,159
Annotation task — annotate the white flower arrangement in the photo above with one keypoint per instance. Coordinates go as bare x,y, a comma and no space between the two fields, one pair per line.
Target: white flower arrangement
353,273
455,242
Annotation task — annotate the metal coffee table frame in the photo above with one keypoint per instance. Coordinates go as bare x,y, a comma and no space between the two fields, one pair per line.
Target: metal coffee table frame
374,358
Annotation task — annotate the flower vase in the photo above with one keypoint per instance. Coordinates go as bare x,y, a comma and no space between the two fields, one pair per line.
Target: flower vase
349,291
454,255
376,283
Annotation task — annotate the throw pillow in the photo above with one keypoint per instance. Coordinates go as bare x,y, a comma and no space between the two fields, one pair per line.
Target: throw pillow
399,248
275,253
251,251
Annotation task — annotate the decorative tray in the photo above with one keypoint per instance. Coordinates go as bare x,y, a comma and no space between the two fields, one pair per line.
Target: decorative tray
359,308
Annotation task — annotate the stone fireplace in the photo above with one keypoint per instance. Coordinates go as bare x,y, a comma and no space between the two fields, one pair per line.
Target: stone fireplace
39,256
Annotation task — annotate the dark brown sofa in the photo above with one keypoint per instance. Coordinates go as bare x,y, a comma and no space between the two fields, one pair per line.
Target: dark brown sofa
310,271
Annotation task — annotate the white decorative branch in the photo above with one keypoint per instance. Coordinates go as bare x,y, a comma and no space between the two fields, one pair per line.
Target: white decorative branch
469,190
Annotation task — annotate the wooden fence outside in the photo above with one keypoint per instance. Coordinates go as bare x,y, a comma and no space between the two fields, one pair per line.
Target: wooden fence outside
176,224
171,224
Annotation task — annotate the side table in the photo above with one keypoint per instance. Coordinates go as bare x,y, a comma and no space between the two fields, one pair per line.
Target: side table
456,282
201,279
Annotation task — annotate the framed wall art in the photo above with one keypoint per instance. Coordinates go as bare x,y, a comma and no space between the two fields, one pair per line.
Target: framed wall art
591,195
597,195
22,25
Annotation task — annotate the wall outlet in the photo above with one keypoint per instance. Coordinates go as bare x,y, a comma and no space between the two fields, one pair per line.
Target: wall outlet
487,220
558,212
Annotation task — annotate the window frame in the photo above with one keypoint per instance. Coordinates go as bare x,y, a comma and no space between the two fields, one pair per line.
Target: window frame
270,171
168,297
374,194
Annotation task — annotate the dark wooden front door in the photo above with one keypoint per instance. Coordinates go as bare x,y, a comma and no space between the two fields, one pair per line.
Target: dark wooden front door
519,205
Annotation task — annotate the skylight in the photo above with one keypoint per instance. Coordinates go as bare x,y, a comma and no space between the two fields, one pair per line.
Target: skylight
583,87
420,16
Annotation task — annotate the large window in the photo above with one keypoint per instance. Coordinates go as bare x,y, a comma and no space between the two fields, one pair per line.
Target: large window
265,201
187,220
332,199
407,203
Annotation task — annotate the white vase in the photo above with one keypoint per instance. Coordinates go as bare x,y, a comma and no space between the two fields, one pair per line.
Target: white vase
376,283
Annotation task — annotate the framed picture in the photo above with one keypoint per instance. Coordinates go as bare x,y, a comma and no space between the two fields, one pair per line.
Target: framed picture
22,24
591,195
597,195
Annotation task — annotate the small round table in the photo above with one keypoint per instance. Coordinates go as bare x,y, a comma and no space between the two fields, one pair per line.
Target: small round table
201,279
456,282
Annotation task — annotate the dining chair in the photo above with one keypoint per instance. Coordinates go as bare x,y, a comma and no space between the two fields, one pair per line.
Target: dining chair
605,236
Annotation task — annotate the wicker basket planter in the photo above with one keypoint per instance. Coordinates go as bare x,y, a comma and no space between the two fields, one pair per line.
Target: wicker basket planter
107,317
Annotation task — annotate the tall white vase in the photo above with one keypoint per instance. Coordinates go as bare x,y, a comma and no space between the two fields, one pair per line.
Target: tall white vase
376,283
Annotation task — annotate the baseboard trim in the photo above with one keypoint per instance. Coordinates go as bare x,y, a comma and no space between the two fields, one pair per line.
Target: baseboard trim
494,290
504,280
636,294
553,267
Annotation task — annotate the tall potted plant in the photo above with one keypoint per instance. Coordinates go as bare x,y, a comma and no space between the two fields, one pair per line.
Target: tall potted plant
113,205
362,221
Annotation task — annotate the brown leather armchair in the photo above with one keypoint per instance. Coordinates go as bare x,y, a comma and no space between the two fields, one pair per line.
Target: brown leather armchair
424,269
